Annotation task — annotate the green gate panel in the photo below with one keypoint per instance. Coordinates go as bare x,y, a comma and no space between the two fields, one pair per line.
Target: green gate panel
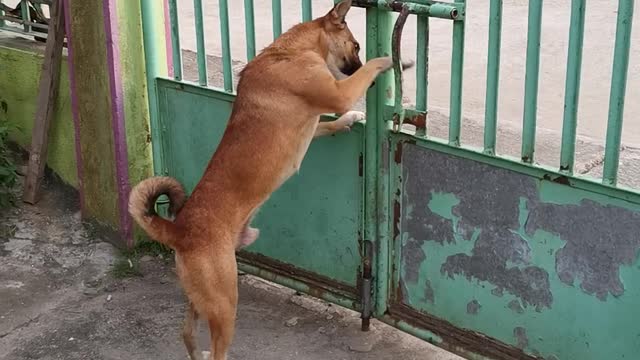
533,264
310,227
192,121
313,221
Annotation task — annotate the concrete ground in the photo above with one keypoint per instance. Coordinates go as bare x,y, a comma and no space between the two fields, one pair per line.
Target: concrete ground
64,294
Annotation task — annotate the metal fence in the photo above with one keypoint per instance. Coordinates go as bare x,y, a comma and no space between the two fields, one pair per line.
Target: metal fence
26,17
417,115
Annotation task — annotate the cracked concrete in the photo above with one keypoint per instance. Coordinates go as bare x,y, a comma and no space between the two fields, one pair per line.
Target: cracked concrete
59,300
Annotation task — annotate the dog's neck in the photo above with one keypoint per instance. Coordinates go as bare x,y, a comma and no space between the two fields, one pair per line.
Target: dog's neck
308,36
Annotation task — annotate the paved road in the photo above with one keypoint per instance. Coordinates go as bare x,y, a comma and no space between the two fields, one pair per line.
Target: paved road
599,36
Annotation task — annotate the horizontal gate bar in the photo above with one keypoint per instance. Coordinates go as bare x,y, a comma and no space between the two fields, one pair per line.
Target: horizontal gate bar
451,11
618,89
572,86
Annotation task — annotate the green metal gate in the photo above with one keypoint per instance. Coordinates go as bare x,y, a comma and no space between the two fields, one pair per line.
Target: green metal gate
487,256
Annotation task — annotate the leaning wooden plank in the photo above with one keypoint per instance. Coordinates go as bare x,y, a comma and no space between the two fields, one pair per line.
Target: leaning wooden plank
47,95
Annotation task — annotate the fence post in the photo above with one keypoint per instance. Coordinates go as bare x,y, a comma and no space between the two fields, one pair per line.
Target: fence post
153,29
379,28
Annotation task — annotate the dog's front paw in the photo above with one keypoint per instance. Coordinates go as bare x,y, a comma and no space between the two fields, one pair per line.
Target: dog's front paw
382,64
346,121
408,64
206,355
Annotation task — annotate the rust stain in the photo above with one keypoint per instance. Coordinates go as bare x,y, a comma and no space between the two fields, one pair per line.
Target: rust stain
397,156
271,269
419,121
558,179
457,340
396,218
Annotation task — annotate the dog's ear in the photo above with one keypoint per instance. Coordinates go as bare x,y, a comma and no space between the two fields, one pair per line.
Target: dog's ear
339,12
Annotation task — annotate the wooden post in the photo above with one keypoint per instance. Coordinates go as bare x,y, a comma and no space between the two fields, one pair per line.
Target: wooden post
47,95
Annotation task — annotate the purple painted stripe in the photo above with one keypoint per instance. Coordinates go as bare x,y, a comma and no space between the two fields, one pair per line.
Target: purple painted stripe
118,116
74,102
167,37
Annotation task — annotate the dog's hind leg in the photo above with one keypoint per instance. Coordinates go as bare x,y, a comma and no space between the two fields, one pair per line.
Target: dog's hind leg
190,327
221,330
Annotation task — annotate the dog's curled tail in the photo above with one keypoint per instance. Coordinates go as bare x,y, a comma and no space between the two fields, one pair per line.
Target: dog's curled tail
142,208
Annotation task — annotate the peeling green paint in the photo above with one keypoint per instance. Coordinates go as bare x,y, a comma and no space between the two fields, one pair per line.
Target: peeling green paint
576,326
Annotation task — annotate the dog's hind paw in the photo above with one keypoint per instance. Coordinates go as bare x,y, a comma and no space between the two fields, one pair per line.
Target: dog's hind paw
206,355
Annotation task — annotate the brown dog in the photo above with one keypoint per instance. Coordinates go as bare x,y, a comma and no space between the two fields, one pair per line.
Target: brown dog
312,69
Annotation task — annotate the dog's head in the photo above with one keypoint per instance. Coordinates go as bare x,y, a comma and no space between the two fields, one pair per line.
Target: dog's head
343,48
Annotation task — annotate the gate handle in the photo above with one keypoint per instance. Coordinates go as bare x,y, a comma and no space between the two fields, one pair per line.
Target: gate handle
398,66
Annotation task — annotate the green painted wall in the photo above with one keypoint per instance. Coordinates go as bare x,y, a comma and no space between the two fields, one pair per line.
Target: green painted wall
21,64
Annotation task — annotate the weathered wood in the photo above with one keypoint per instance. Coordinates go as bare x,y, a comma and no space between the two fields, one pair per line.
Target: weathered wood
46,105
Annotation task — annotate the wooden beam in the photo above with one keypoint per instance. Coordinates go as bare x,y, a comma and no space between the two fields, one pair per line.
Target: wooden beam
46,105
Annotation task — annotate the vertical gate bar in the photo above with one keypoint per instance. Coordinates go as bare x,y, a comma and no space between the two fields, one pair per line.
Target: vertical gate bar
618,90
2,23
250,29
227,71
493,77
26,16
175,40
307,10
531,80
422,69
154,67
276,6
379,209
572,85
455,100
201,52
371,146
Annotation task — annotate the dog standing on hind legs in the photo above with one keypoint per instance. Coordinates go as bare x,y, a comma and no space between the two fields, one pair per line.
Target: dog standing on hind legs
312,69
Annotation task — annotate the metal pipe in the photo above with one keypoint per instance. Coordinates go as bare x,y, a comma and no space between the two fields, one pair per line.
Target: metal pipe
307,10
396,42
531,81
250,29
572,85
451,11
227,70
276,6
455,99
201,51
493,77
618,90
175,40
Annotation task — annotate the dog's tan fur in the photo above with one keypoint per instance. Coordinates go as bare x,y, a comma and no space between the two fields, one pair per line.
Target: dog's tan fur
310,70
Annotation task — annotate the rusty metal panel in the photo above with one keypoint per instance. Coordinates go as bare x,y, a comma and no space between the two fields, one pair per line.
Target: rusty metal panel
539,268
